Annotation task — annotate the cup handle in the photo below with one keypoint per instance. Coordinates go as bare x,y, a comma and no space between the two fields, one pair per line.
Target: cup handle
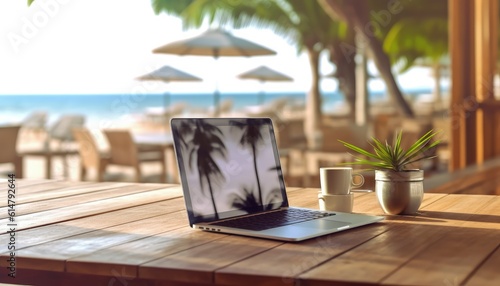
362,179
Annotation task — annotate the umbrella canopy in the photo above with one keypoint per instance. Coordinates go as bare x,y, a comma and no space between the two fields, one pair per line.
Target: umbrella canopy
263,74
215,43
168,74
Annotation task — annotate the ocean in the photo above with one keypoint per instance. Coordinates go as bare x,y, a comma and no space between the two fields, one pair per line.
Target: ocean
110,110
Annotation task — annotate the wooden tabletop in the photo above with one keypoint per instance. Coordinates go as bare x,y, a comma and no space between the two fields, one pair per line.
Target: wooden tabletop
84,233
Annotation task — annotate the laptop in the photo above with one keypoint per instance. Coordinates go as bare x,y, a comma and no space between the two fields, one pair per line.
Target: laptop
233,183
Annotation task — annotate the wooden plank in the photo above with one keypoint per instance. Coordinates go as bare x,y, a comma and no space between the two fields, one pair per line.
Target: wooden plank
280,265
456,254
460,248
378,258
486,217
52,256
27,182
43,234
197,265
375,259
126,257
454,210
47,278
488,271
41,187
71,189
52,190
93,208
94,193
37,277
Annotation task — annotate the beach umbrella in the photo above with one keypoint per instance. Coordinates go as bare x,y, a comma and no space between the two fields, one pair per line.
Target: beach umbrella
263,74
168,74
215,43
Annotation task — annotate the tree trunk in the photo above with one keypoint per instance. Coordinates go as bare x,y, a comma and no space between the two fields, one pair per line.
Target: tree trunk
254,153
345,73
212,197
354,12
313,115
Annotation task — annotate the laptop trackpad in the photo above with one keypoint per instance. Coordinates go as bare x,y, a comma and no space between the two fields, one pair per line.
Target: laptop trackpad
323,224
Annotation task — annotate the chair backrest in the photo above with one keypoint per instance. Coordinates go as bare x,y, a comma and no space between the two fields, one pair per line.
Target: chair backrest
278,104
176,109
8,142
35,120
62,129
87,148
413,129
350,133
289,133
225,106
122,147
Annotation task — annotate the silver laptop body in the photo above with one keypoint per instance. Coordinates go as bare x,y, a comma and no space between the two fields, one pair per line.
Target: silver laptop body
230,169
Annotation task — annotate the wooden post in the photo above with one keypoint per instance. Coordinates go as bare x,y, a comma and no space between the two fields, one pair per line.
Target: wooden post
485,25
362,96
473,49
461,16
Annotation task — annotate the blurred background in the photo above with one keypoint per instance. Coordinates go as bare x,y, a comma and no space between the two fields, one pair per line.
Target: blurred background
336,69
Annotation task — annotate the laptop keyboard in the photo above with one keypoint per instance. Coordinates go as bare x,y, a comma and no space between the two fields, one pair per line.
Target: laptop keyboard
273,219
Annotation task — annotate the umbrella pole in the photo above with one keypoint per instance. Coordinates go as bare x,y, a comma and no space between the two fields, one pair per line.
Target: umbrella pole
261,95
216,103
216,93
166,106
165,109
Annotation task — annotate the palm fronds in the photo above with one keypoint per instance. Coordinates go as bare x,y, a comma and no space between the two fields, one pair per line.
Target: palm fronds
394,157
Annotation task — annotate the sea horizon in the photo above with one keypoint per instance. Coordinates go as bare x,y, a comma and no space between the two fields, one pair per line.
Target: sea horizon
112,107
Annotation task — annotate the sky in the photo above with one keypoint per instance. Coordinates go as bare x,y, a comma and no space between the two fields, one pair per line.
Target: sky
100,47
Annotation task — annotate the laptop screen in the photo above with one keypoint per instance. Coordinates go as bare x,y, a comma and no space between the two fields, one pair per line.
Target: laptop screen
228,166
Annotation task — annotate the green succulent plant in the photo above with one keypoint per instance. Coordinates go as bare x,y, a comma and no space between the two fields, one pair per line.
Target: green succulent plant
394,157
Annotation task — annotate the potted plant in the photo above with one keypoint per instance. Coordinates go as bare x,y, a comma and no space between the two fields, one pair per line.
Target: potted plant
399,190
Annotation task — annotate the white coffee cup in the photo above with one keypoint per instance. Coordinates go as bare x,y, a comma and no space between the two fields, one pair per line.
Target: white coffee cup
339,180
336,203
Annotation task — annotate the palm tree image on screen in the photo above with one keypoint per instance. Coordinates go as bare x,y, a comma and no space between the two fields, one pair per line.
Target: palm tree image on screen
235,159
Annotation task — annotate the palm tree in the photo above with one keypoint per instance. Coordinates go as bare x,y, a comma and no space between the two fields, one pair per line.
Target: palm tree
251,137
305,23
355,13
205,143
419,34
249,203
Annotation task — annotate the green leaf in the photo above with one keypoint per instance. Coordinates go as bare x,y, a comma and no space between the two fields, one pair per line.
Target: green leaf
394,157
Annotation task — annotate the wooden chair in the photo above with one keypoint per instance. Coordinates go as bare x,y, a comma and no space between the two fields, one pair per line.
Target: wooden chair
90,156
62,130
34,123
125,152
8,151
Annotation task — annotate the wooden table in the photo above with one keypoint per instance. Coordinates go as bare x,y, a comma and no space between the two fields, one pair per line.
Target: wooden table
83,233
165,141
48,155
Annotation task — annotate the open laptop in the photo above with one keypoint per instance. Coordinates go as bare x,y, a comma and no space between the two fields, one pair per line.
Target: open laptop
233,183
